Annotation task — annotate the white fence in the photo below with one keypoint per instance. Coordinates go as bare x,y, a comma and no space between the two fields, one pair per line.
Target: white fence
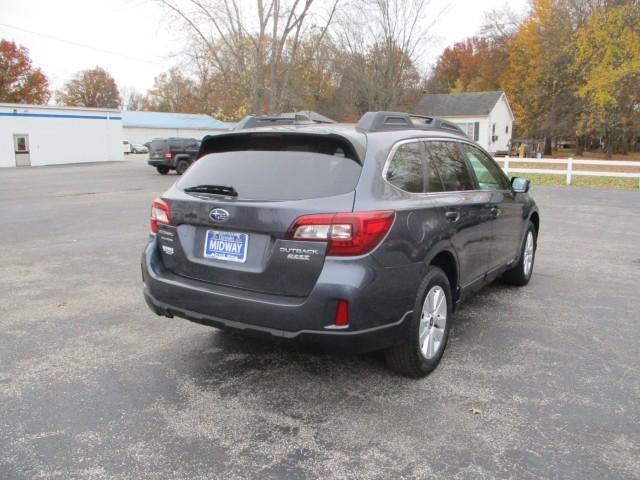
569,171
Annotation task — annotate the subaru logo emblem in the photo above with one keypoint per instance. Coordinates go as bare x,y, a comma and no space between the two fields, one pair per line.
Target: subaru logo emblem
219,214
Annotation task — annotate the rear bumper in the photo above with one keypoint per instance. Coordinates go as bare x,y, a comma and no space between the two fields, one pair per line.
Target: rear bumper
160,162
360,341
373,324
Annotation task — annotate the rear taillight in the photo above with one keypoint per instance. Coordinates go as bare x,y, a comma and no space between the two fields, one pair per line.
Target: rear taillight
167,153
160,213
353,233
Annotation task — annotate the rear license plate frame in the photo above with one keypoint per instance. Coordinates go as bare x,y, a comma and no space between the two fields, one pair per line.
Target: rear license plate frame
226,237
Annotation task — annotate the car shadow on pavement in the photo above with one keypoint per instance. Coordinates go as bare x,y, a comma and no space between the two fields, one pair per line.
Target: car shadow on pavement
222,354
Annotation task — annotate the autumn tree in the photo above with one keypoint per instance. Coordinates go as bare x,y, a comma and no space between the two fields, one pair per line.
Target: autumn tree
607,63
376,64
541,88
90,88
20,82
478,63
252,48
473,65
173,92
132,99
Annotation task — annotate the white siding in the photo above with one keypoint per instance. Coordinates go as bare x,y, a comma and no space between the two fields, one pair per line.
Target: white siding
140,135
59,135
501,117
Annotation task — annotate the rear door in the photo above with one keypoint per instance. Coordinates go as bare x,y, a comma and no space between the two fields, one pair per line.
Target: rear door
239,241
506,212
467,210
157,148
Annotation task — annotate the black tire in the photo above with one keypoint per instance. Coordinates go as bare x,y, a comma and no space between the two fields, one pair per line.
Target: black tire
182,166
518,275
407,358
163,170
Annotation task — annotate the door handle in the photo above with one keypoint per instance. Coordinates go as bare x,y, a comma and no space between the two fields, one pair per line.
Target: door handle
453,215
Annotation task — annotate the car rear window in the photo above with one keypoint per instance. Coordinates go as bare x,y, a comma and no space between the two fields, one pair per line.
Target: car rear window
276,175
158,144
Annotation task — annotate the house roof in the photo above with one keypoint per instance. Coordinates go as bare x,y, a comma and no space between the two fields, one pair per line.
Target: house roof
172,120
457,104
313,116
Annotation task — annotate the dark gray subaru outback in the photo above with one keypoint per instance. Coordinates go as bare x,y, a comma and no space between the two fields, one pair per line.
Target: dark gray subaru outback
361,237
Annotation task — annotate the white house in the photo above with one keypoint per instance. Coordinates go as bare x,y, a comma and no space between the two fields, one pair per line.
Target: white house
142,127
48,135
486,117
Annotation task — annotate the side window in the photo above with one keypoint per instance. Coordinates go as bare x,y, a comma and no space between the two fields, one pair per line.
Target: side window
450,165
405,170
487,171
433,182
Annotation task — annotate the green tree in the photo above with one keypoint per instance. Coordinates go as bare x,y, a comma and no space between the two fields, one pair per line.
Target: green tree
607,62
20,82
90,88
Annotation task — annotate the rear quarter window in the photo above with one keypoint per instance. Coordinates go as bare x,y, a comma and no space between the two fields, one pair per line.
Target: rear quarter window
406,168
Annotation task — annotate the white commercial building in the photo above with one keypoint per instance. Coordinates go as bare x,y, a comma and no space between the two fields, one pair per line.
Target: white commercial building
48,135
485,117
142,127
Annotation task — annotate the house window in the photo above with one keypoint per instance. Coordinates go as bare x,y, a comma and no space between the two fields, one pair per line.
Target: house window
506,129
471,129
493,129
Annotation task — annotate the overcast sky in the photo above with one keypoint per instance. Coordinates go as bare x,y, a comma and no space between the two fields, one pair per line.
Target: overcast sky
134,40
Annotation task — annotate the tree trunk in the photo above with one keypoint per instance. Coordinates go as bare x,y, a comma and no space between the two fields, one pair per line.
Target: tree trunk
580,141
547,146
625,142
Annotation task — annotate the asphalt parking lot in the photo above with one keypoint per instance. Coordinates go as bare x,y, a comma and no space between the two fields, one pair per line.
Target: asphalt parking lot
539,382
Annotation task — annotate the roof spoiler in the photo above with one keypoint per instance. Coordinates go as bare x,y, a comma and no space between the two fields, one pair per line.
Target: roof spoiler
386,121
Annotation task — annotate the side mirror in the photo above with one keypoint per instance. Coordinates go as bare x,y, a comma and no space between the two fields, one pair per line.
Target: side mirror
520,185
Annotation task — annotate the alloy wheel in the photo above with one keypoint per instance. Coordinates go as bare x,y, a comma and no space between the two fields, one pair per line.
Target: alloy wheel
433,321
528,254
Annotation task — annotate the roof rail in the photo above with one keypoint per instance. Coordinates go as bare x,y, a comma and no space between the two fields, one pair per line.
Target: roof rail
384,121
297,118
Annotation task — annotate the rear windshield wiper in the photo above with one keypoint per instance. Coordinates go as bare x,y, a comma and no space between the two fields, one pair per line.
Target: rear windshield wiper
213,189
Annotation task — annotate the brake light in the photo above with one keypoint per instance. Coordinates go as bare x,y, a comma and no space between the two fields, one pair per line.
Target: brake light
160,213
353,233
167,153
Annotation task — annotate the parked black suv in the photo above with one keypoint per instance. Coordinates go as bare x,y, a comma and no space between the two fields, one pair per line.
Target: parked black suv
361,237
173,154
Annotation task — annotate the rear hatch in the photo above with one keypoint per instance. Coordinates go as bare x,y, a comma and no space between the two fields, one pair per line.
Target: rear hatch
249,190
157,149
